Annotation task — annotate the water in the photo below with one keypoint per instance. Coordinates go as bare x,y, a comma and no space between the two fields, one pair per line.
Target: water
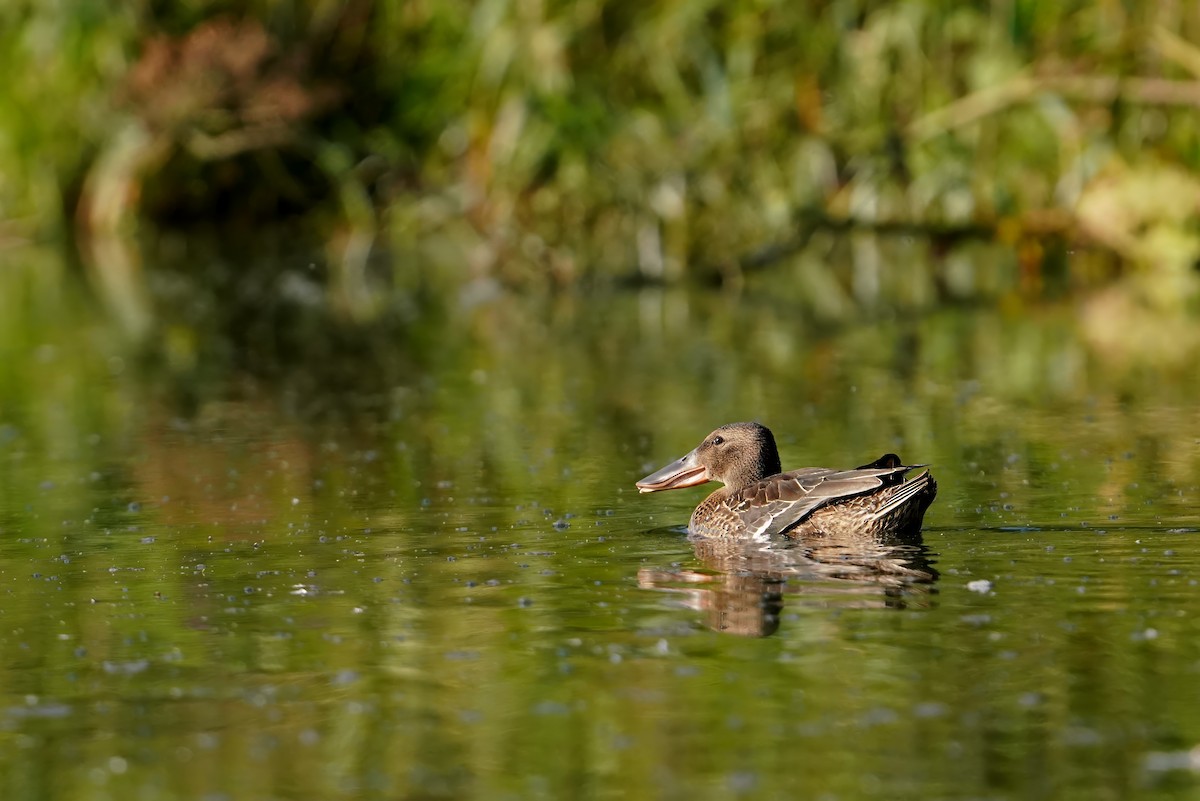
416,566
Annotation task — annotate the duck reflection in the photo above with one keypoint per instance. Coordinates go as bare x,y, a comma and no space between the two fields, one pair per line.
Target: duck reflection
742,586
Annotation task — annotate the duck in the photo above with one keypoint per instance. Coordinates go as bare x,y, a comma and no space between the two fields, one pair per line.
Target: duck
758,501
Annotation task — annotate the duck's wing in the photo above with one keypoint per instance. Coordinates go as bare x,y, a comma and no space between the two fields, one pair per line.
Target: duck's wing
775,504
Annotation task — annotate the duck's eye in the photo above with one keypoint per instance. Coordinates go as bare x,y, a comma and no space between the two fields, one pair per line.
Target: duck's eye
718,440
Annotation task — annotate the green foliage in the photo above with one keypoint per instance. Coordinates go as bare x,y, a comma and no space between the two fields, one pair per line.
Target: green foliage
61,62
543,141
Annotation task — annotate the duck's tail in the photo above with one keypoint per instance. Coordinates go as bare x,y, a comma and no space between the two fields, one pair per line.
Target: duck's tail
919,491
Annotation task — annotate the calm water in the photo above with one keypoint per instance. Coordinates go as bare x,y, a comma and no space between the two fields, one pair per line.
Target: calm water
265,566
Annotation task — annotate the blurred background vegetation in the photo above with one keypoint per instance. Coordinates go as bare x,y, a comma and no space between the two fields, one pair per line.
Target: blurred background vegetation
846,154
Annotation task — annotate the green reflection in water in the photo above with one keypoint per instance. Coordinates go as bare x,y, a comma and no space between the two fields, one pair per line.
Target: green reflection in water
294,561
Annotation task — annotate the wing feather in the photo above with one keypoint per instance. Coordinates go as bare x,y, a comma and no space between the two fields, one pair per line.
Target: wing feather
778,503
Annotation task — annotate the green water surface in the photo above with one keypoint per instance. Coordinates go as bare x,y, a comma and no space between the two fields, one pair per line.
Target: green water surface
264,562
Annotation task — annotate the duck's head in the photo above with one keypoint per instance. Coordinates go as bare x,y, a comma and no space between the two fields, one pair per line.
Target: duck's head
736,455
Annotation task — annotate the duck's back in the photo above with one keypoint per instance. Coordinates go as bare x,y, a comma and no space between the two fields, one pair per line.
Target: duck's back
816,500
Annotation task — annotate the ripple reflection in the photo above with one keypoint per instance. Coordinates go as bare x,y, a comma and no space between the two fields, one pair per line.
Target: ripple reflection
742,587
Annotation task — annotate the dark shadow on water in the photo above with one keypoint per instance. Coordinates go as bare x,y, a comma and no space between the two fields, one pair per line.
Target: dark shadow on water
742,587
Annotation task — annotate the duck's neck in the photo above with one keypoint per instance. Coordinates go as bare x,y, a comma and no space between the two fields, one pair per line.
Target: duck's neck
767,464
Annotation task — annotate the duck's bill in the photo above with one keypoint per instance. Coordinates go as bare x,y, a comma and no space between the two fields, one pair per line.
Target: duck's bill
681,473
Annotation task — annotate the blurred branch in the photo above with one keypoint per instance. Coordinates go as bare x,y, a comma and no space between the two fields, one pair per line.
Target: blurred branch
106,217
1182,53
974,106
1101,89
1040,223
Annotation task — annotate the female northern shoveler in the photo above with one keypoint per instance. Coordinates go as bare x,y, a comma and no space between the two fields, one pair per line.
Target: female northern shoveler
758,500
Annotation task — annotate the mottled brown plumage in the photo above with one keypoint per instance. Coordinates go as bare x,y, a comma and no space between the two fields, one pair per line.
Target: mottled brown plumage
758,501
